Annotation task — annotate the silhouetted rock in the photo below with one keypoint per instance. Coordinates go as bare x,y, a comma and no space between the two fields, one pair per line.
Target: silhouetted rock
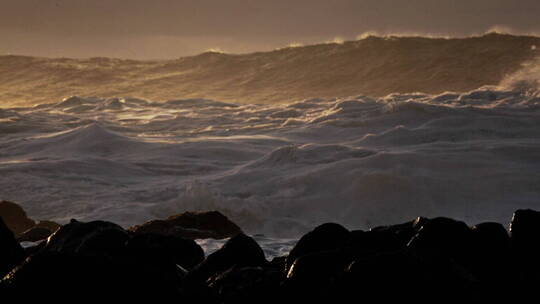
327,236
382,277
11,253
15,217
164,249
375,241
403,232
450,237
192,225
239,251
311,276
491,258
92,238
34,234
67,277
525,242
394,276
525,231
248,285
444,261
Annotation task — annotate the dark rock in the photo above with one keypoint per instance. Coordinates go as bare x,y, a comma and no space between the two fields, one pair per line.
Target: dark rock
92,238
450,237
278,263
374,241
525,231
11,252
312,275
490,256
525,242
31,250
192,225
394,276
381,277
239,251
164,249
491,246
34,234
248,285
15,217
403,232
52,226
325,237
67,277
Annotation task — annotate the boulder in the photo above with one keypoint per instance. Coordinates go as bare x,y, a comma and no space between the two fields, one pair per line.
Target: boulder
11,252
15,217
52,226
239,251
67,277
525,242
164,249
329,236
491,256
248,285
92,238
192,225
310,278
403,233
374,241
447,236
34,234
393,276
525,231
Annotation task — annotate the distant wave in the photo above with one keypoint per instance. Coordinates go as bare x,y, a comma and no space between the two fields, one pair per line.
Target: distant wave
373,66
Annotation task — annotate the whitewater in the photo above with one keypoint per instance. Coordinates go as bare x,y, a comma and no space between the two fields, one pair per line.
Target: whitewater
276,170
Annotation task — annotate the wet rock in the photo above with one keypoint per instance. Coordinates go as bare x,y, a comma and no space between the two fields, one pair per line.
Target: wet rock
92,238
11,252
192,225
34,234
52,226
15,217
239,251
329,236
165,250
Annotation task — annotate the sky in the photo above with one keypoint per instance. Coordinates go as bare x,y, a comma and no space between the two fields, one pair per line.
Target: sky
159,29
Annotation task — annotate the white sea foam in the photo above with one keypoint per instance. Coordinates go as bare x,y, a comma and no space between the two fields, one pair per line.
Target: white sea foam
276,169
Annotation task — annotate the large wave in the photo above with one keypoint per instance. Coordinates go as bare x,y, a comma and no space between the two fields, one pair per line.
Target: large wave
374,66
277,169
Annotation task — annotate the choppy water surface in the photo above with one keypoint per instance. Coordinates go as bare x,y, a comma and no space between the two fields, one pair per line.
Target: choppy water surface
280,169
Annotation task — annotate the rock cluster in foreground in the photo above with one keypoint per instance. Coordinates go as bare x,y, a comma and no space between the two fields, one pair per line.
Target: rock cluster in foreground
426,260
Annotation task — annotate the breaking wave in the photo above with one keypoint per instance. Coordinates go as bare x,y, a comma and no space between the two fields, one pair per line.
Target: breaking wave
374,66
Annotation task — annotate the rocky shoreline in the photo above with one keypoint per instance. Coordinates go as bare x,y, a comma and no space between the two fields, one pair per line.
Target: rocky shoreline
424,260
